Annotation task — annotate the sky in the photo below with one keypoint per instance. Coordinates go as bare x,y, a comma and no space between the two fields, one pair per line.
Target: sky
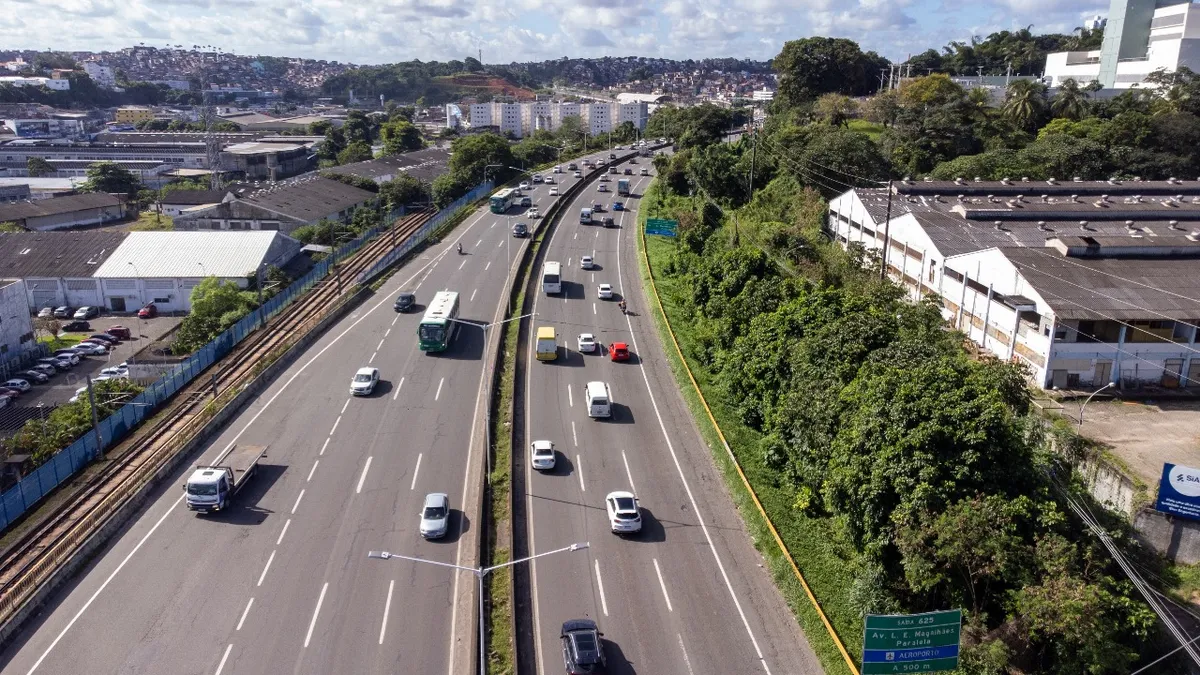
385,31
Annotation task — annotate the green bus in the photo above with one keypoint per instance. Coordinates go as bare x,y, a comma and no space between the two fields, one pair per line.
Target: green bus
505,199
440,322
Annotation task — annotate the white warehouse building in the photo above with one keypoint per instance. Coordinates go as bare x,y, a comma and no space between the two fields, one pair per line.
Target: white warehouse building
1086,283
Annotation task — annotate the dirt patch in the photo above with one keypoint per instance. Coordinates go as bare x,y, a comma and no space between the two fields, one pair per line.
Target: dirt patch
1144,435
480,84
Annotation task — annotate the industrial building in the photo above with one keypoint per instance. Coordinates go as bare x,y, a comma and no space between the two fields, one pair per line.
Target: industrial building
123,271
1087,283
16,327
58,213
278,206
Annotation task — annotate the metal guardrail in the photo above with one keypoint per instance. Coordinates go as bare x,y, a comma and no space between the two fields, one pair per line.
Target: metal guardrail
18,499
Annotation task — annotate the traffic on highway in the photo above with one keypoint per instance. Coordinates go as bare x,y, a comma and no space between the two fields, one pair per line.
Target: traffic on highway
370,440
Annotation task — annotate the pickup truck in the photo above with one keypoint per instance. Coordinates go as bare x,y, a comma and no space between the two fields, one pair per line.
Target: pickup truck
210,488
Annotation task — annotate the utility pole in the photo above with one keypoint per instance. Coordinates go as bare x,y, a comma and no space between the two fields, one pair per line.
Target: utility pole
886,222
95,419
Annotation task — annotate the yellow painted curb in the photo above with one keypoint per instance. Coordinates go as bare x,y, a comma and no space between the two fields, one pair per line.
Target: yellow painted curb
778,541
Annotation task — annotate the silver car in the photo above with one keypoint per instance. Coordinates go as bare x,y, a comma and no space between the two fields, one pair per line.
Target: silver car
364,381
435,517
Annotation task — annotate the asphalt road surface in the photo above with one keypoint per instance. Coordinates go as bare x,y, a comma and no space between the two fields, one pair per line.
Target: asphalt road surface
280,582
688,595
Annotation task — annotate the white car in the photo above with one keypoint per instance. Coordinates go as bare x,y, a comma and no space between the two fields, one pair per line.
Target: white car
604,291
537,178
364,381
534,213
549,180
553,192
525,185
17,383
585,262
541,455
624,515
115,372
602,188
587,343
578,174
91,349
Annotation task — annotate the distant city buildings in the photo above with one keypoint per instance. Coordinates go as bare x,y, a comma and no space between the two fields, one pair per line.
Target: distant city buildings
47,82
522,119
132,114
102,75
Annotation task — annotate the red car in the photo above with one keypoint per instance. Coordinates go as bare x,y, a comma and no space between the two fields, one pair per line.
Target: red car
618,351
120,332
148,312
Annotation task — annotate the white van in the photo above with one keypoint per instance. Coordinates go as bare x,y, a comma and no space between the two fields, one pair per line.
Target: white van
585,215
599,401
557,168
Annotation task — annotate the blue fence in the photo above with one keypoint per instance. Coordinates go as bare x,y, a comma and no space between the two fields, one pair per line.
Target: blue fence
416,238
17,499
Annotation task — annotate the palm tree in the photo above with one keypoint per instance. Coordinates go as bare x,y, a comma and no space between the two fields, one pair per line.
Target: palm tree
1025,102
1071,101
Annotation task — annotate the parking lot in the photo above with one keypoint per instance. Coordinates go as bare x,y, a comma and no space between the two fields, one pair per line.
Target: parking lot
1145,434
58,389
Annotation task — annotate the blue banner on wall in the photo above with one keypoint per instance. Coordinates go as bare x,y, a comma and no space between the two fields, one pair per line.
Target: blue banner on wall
1179,491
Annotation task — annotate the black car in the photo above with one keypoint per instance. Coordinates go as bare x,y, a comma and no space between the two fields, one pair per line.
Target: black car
583,653
63,312
77,327
628,171
405,302
608,222
33,376
520,230
105,337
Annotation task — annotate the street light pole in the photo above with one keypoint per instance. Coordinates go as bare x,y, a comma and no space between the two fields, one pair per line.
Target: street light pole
480,573
1089,399
138,319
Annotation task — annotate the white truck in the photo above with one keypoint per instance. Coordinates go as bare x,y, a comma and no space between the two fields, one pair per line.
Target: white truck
210,488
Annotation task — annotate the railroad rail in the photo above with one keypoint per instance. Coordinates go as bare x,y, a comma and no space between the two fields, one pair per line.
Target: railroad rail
39,553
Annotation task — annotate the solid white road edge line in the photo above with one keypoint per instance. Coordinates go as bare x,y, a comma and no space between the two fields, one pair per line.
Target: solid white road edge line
679,469
316,612
398,389
363,477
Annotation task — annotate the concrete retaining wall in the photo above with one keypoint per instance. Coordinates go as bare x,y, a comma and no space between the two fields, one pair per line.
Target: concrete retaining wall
1176,538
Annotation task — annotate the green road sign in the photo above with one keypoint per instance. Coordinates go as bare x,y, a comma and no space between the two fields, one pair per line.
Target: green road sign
660,226
911,643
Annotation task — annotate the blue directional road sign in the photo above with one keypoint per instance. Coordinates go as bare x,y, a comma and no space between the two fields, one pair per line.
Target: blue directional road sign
911,643
659,226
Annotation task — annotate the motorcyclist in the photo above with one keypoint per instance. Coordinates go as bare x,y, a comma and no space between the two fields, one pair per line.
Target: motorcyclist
460,248
622,306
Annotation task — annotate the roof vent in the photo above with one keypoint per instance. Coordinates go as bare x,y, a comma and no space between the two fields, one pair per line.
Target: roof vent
1137,199
937,198
1129,225
959,180
1011,203
1005,181
978,179
1024,179
1104,198
1113,181
998,225
1052,181
1174,225
1173,180
1020,199
1075,199
1045,199
992,199
1083,225
928,179
1043,226
962,198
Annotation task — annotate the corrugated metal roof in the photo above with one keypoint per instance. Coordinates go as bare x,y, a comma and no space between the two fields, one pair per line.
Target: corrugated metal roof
188,254
1124,289
57,205
56,254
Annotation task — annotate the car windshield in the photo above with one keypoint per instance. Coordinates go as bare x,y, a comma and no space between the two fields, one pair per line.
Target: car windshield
202,489
434,512
362,377
404,300
542,451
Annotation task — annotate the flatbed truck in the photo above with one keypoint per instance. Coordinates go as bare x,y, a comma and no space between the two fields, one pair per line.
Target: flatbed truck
210,488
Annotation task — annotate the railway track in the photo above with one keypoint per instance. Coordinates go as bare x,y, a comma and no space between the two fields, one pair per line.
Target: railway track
34,558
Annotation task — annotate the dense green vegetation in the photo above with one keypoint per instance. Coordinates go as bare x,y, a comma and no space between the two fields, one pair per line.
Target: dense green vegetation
904,473
41,438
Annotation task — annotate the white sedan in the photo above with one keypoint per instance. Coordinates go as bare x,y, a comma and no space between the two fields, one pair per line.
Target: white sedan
525,185
91,349
553,192
624,515
602,188
541,455
587,343
604,291
578,175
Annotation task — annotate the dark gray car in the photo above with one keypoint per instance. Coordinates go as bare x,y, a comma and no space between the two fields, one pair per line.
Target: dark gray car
405,302
583,653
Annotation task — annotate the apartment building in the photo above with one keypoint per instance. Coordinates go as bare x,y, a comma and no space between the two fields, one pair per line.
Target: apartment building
47,82
102,75
1087,283
522,119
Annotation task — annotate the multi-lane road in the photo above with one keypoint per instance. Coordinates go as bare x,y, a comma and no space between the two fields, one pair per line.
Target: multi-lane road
281,582
689,594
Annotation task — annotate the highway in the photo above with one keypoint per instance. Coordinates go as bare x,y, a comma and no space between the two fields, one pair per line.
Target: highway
688,594
281,582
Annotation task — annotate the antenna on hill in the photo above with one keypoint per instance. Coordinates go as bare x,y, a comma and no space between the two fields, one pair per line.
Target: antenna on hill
481,56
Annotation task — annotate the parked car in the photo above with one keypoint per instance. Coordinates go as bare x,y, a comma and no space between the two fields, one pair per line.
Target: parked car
115,372
17,383
618,351
11,392
148,312
45,313
119,332
45,369
35,376
583,652
405,302
69,353
624,515
55,365
541,455
101,344
87,312
90,349
435,515
105,337
77,327
62,312
364,381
